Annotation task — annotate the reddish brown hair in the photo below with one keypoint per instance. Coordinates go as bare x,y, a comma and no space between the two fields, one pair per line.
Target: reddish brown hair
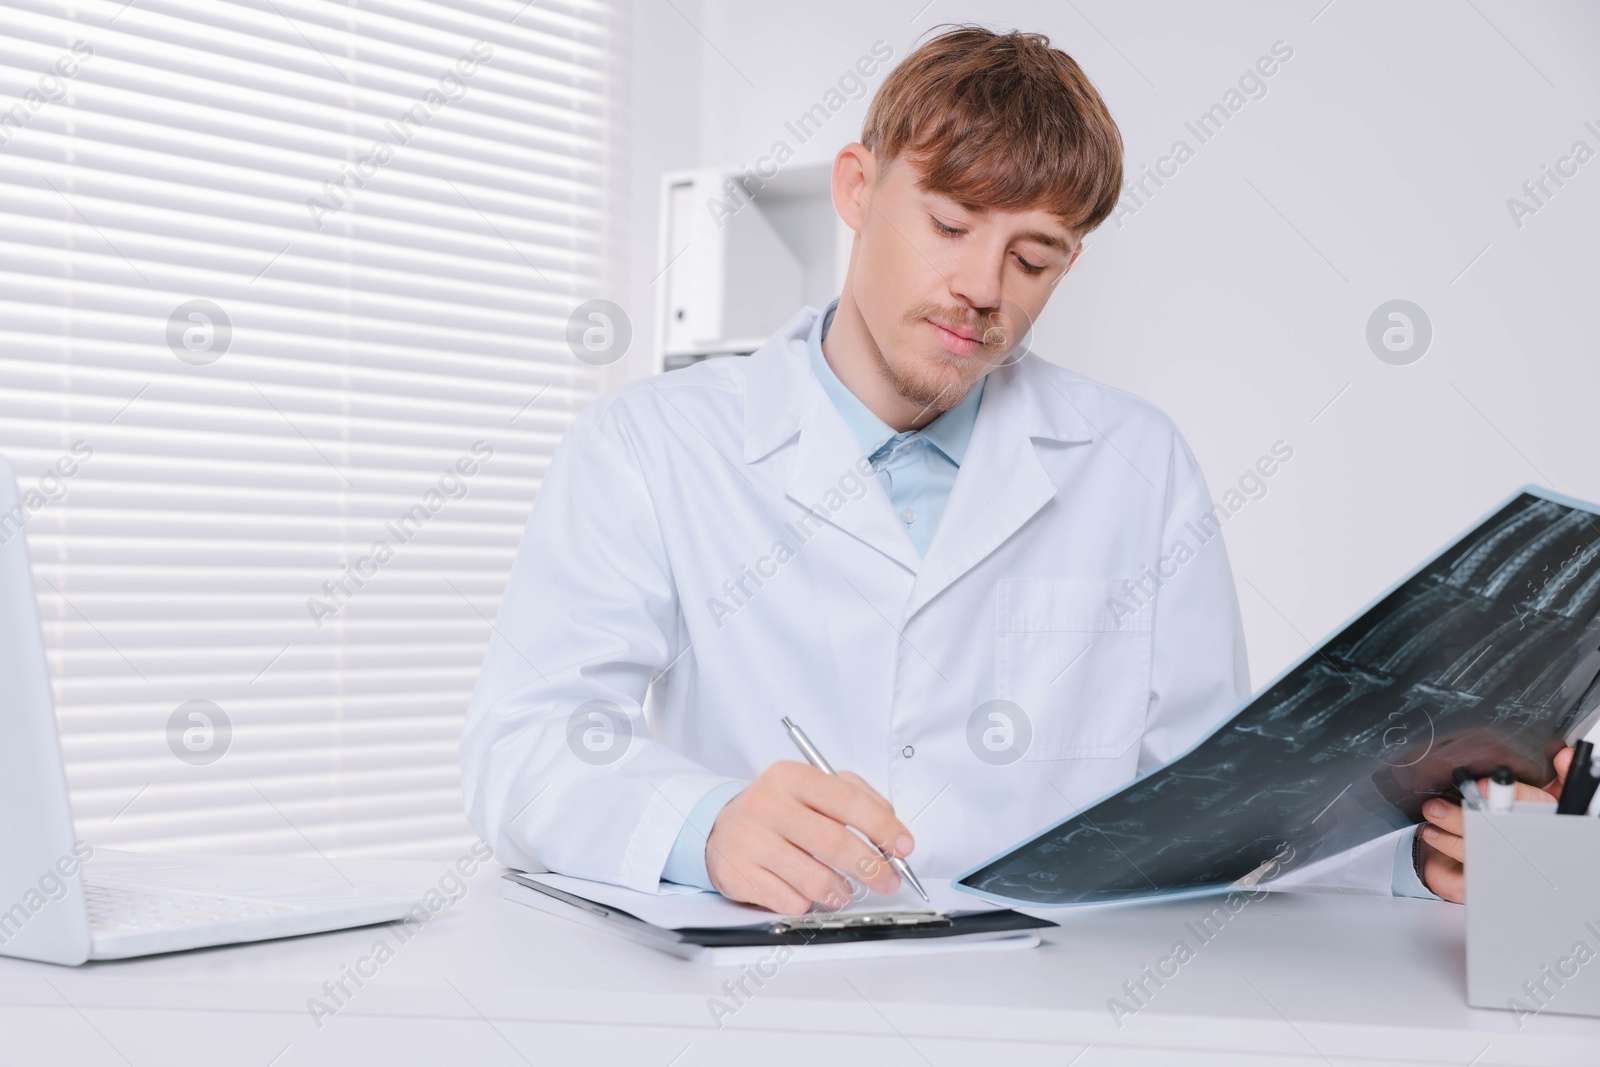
1000,121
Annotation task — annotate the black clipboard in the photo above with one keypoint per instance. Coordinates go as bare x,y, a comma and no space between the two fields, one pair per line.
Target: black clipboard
796,931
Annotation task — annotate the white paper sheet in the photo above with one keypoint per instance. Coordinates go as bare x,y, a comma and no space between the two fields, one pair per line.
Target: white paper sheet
677,907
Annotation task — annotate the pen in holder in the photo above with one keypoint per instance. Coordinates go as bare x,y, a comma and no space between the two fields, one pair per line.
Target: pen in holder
1533,911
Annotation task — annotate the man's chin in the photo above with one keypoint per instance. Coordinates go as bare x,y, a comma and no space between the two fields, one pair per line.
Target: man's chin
939,381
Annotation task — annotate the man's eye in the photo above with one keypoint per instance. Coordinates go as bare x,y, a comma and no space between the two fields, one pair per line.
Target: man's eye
1029,268
947,231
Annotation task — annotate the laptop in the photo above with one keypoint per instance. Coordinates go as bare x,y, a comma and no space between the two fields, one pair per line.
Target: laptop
64,901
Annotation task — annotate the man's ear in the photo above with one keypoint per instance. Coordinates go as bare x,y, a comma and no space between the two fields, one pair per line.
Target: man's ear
854,172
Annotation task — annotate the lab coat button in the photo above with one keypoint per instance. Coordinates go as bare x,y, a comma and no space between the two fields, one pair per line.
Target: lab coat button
908,752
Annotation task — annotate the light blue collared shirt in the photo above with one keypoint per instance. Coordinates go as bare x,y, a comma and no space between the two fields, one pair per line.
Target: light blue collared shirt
917,469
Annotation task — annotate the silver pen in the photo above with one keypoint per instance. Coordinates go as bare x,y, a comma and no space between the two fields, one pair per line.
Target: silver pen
815,758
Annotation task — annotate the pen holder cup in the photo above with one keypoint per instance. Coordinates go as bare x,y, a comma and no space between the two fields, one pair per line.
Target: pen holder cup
1533,911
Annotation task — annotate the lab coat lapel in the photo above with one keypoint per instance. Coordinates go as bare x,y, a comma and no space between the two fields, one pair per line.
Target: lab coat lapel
828,466
783,397
1002,482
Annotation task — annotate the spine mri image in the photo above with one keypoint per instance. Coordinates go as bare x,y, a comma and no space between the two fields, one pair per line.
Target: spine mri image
1488,654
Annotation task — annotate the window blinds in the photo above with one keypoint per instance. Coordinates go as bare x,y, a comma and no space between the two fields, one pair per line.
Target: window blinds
284,292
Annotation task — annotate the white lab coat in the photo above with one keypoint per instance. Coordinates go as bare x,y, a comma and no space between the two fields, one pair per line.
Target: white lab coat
669,551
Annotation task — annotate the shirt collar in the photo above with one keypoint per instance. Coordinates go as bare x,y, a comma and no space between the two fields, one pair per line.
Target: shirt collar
950,432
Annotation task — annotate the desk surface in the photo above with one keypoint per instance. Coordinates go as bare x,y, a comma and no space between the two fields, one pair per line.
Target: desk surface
1288,979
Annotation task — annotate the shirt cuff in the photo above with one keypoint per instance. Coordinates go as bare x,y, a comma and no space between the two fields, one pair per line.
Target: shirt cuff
1406,883
686,863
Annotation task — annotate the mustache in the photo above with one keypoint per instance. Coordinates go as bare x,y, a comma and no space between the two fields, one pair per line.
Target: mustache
992,328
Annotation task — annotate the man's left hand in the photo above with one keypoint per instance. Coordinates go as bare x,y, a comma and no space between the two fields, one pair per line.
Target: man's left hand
1444,853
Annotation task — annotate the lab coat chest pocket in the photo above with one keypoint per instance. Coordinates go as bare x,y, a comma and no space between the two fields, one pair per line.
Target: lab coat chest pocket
1081,678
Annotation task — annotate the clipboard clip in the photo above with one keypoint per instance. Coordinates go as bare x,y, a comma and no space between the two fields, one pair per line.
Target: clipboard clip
859,920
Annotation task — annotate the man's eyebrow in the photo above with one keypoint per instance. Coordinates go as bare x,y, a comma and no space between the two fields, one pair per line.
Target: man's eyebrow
1049,240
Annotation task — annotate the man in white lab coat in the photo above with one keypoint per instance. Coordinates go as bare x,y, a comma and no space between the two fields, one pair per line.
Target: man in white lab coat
968,574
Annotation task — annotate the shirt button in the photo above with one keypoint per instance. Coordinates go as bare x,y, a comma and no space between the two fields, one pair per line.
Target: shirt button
908,752
909,516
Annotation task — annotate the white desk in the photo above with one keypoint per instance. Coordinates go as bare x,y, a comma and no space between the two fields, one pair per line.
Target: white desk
1289,979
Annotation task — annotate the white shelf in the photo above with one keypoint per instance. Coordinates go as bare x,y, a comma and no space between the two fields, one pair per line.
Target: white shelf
735,267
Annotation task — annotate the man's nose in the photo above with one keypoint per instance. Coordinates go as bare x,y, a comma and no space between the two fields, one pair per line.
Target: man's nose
976,280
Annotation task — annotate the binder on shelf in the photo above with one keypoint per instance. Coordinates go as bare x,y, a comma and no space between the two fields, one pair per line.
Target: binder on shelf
739,254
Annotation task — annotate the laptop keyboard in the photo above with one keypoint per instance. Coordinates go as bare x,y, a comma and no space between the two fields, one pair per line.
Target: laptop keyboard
116,907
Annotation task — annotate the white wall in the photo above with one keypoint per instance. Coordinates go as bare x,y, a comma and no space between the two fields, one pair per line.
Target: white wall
1377,166
662,127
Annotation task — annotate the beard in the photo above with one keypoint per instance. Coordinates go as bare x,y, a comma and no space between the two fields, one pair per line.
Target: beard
936,378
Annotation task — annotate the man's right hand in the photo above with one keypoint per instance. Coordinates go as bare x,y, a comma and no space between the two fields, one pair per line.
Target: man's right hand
781,842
